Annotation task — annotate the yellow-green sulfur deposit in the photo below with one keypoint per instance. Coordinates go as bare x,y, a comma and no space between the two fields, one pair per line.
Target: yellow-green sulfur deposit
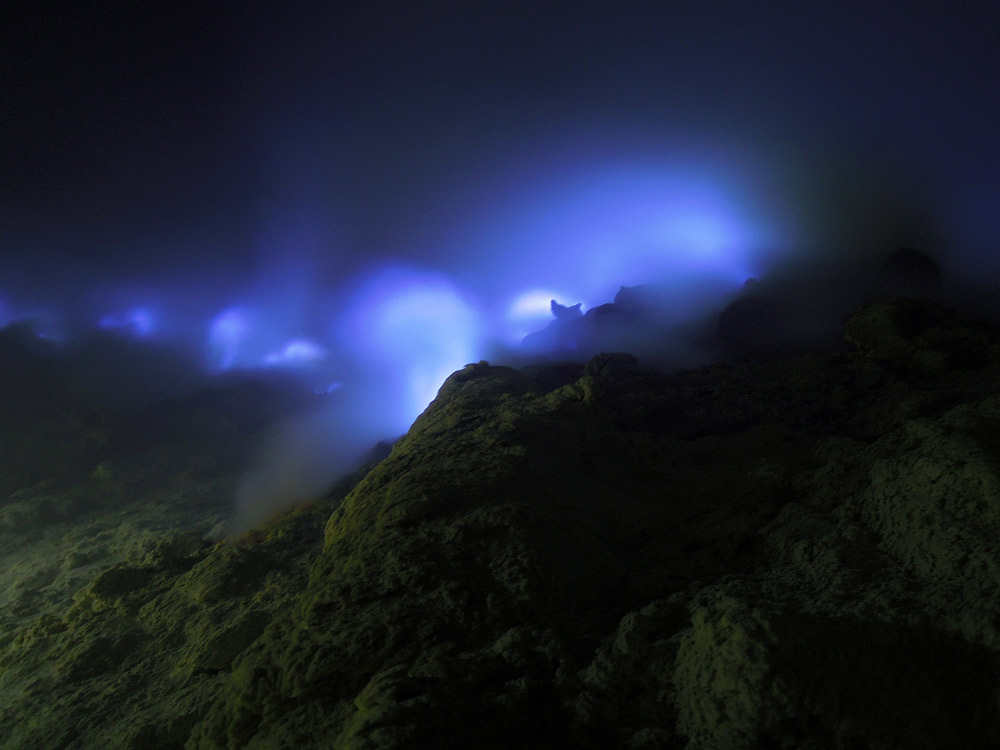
791,553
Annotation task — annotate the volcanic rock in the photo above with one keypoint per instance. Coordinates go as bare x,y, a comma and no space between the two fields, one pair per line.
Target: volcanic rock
793,552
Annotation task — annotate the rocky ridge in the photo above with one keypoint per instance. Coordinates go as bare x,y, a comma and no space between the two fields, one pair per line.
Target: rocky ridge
795,552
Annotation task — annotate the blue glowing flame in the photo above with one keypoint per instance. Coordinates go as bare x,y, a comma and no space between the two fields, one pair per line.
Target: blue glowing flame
227,334
570,229
594,228
138,321
377,348
296,351
417,326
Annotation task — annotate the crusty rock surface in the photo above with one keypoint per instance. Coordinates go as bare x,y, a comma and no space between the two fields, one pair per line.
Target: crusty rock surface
786,553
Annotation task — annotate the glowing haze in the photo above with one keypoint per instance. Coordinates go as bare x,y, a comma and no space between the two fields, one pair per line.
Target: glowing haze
370,196
380,340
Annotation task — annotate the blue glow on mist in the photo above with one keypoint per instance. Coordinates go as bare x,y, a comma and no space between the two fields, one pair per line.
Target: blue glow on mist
228,332
592,228
138,321
397,333
531,311
296,351
46,326
261,336
413,329
376,347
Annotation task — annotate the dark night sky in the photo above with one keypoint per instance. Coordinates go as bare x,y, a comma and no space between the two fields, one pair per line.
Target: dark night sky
177,141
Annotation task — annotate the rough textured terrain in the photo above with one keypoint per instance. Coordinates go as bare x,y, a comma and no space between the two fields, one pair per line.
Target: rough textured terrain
786,553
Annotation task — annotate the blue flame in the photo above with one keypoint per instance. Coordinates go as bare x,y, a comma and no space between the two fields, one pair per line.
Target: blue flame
296,351
139,321
596,226
415,328
228,333
569,227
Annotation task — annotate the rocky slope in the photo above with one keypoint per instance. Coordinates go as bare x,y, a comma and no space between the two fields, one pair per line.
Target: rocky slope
801,552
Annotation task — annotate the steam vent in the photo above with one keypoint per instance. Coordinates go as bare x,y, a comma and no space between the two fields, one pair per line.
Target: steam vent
784,552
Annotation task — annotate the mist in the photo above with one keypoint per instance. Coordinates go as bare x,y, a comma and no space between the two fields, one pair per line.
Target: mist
690,230
654,241
365,199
